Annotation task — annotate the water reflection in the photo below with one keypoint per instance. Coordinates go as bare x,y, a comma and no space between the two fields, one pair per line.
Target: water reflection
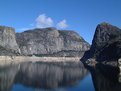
105,77
41,75
7,75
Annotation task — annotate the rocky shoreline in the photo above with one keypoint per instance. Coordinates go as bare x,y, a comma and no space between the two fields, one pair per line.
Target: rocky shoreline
7,60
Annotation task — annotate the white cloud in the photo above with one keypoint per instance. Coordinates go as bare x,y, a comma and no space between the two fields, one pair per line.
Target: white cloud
43,21
62,24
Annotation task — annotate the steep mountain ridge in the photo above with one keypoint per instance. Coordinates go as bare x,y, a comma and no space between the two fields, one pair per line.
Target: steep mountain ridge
42,42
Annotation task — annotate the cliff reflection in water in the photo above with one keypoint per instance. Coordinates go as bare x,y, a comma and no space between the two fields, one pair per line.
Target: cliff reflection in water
41,75
105,77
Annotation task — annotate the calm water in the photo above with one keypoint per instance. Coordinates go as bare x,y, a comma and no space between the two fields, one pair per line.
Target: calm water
59,77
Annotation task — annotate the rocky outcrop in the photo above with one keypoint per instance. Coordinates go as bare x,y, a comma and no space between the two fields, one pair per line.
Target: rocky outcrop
106,44
51,41
8,43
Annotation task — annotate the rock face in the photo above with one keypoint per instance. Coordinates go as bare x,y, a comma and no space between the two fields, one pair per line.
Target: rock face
106,44
50,41
8,43
41,42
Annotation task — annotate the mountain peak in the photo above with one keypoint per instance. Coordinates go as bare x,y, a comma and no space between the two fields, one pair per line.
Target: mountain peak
104,23
104,26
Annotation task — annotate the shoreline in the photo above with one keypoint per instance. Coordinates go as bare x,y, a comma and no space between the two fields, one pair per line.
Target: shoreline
7,60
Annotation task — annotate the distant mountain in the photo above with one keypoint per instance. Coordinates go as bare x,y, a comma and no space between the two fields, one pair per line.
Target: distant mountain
42,42
106,44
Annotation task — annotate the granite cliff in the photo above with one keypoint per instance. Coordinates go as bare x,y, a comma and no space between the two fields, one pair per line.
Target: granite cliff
51,42
41,42
106,44
8,44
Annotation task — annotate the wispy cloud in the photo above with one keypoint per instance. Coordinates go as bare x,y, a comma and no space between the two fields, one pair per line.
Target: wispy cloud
43,21
62,24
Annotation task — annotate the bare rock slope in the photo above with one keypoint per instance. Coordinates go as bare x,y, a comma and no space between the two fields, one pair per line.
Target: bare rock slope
50,41
8,44
41,42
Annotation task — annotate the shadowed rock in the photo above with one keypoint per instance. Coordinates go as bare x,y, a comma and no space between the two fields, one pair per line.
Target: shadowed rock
106,44
106,77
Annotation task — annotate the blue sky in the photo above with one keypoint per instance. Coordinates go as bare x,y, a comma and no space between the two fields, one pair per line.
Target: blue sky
81,16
